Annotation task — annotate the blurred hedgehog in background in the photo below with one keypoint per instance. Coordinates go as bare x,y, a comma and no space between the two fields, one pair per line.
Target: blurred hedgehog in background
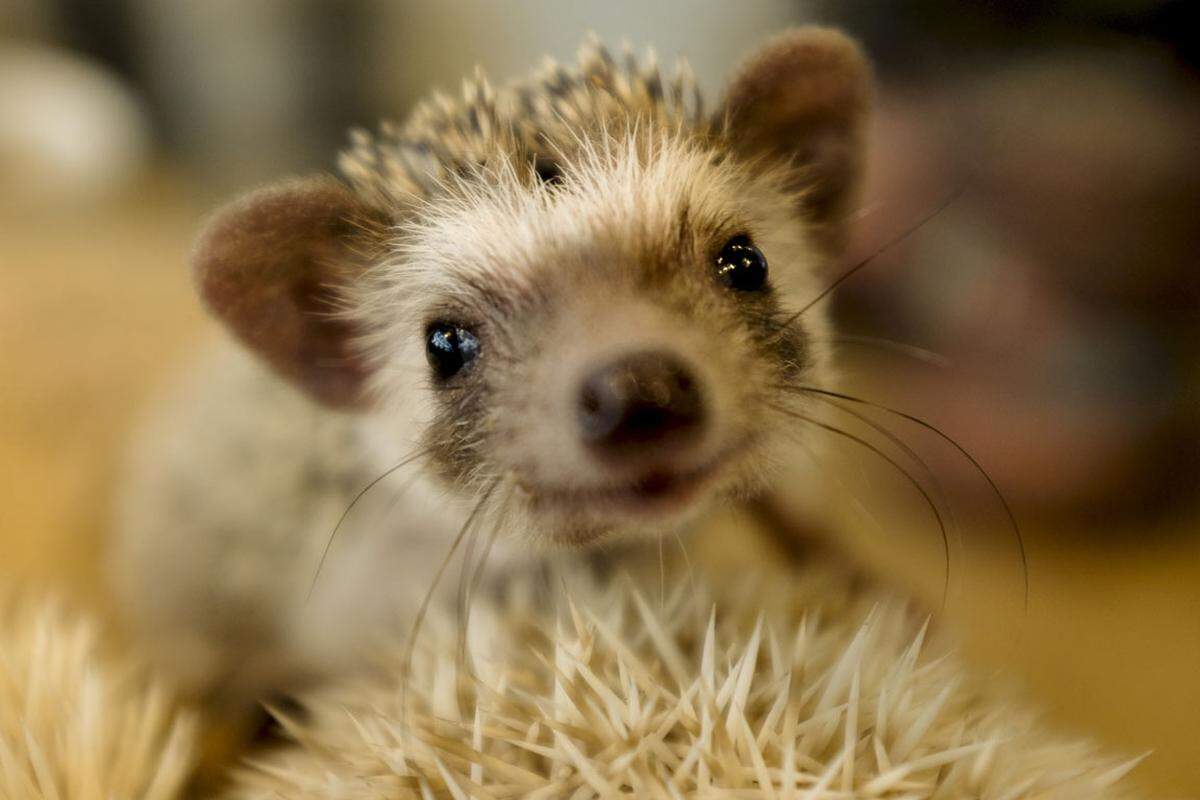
613,689
75,725
709,692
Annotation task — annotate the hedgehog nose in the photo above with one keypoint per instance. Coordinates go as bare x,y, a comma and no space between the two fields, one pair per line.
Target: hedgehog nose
640,403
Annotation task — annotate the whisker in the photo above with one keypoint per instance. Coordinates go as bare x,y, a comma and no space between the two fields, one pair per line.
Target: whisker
950,199
362,493
505,508
820,465
469,588
461,598
895,465
397,497
939,491
687,560
423,609
662,576
901,348
1012,517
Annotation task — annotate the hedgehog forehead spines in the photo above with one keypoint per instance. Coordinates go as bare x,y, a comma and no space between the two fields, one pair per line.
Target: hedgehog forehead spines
532,124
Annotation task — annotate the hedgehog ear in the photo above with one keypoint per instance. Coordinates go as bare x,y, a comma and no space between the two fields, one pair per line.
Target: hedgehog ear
802,99
270,266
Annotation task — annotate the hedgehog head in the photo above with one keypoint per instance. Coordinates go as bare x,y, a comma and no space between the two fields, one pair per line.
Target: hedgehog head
581,293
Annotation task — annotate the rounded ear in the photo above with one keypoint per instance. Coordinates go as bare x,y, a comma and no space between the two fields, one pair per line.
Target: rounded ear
802,100
271,264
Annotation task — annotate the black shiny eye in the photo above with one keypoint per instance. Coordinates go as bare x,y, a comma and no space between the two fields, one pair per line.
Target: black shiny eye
547,171
449,348
741,265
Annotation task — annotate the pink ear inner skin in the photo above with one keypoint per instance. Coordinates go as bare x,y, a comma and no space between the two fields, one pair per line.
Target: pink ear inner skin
268,265
803,99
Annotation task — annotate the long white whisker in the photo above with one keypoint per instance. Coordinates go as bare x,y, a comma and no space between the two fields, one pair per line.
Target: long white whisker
423,610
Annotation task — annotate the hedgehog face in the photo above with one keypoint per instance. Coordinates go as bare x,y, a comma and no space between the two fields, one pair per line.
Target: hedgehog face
610,343
583,291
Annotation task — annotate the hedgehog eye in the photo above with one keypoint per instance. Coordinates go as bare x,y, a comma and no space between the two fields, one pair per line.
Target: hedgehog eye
449,348
547,171
741,265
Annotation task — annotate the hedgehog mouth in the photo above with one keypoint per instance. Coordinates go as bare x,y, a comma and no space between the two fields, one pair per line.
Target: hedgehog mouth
660,490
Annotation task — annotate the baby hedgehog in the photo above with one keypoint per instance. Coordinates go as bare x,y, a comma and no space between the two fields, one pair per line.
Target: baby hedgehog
572,312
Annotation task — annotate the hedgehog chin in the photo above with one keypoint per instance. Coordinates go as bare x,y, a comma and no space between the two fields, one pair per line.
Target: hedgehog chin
658,507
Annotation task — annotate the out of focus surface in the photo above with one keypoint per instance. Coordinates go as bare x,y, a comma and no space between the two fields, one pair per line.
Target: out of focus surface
1047,317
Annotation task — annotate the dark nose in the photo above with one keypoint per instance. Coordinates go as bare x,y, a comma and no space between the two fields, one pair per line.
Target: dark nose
637,402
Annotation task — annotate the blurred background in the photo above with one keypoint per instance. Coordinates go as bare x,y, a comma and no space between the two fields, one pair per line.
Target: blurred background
1048,317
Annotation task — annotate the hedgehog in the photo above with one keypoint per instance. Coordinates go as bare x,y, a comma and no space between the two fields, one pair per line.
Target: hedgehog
77,721
552,322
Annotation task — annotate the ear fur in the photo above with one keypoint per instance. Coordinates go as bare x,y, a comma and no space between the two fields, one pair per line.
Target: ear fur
803,99
269,266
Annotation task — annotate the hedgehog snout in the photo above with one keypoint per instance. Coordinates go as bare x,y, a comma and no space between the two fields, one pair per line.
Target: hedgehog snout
647,403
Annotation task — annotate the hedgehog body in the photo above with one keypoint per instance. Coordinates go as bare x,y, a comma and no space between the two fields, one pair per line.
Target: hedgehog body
570,313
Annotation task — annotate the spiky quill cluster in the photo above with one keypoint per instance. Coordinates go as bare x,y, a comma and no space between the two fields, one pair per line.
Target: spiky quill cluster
637,697
529,125
73,724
